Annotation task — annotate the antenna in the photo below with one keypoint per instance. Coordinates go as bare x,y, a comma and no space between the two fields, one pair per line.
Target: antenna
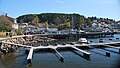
3,13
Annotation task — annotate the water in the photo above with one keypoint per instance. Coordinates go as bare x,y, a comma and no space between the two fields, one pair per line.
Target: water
72,59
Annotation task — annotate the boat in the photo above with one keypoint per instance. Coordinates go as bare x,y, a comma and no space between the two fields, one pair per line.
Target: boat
82,40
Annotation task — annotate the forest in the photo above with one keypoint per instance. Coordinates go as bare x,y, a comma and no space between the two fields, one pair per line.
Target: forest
58,20
61,20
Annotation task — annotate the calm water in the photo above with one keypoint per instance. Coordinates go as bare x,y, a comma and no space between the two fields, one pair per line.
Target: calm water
72,59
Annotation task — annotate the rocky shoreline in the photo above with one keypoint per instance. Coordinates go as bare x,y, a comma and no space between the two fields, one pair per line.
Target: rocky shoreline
7,48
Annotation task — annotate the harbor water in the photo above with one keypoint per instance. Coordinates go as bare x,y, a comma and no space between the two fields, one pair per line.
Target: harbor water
72,59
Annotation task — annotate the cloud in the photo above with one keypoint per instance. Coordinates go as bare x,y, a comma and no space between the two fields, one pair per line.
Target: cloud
59,1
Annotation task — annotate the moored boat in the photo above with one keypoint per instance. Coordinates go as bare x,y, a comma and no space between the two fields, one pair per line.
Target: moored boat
82,40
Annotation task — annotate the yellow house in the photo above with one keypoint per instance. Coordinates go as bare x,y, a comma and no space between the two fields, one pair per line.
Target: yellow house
3,33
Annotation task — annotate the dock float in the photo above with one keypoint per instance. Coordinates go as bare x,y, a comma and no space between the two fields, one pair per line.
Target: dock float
106,53
85,53
30,55
55,47
59,55
112,47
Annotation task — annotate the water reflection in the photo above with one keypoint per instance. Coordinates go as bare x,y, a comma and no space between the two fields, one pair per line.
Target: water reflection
72,59
76,53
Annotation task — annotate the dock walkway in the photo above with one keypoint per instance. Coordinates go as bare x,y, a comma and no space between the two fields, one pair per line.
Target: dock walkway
74,46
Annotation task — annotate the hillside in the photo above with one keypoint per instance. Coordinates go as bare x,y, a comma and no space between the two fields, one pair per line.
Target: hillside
5,23
60,19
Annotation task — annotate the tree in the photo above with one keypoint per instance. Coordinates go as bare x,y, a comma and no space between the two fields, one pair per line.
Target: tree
68,24
19,31
5,24
82,21
5,27
55,19
35,21
46,24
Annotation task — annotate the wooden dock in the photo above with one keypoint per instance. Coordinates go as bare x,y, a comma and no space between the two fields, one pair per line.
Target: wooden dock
85,53
59,55
77,35
73,46
112,47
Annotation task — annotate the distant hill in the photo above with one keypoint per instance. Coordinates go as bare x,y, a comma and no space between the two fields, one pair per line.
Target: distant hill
6,19
6,23
58,19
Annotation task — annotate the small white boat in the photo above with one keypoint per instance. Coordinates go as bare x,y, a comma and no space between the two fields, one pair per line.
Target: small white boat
82,40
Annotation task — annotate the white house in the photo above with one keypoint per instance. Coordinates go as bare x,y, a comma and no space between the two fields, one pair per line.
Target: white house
15,24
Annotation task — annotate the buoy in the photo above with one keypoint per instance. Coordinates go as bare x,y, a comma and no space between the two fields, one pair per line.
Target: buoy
48,44
56,44
64,43
101,41
110,39
90,41
72,43
107,54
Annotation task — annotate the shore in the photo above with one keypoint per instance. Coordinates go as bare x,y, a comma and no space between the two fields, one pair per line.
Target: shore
22,39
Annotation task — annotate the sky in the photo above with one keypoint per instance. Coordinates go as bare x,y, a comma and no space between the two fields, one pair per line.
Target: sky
88,8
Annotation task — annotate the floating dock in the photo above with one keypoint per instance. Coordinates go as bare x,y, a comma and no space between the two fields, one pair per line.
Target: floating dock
73,46
30,55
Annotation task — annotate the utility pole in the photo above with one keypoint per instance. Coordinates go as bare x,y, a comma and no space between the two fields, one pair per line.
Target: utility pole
72,22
